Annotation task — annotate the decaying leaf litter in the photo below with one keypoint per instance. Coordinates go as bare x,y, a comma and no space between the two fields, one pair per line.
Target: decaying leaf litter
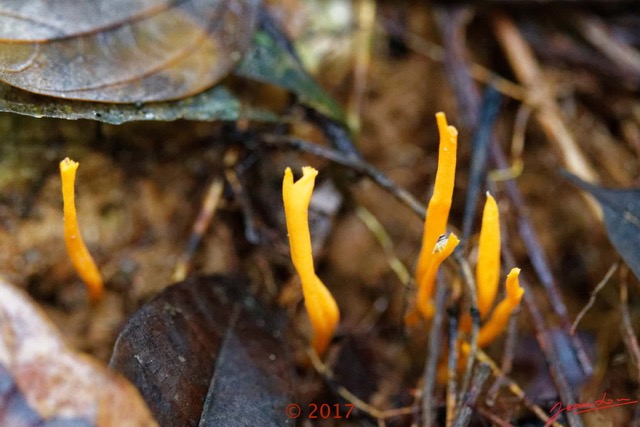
142,184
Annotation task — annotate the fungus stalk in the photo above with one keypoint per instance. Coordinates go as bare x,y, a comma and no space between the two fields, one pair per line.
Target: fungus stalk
321,307
78,252
435,224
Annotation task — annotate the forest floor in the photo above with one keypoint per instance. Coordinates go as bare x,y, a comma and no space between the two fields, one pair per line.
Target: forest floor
572,104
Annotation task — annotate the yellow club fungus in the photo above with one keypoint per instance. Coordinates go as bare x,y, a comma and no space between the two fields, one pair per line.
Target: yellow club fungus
321,307
488,267
497,323
80,256
437,216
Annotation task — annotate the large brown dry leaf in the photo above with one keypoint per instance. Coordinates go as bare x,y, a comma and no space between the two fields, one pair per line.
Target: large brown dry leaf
100,50
204,352
24,20
45,383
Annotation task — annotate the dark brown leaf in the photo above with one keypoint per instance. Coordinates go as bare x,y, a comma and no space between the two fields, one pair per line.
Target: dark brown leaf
149,52
621,219
204,352
44,383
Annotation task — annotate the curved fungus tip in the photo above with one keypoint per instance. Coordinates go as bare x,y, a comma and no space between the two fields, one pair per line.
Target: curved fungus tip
514,291
497,323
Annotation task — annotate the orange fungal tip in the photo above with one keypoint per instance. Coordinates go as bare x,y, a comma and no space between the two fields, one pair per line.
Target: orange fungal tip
77,250
514,291
443,127
322,309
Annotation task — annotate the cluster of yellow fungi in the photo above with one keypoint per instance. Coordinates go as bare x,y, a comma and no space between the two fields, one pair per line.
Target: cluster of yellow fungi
321,307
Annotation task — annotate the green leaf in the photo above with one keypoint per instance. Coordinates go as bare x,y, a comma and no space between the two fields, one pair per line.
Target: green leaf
621,218
217,103
268,61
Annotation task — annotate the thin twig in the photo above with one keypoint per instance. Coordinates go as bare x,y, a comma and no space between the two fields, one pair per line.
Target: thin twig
507,360
381,235
517,147
514,388
510,340
366,15
452,22
594,294
489,110
464,415
596,32
548,113
494,418
335,133
548,349
397,266
452,367
207,211
472,294
233,178
328,376
436,53
351,162
433,356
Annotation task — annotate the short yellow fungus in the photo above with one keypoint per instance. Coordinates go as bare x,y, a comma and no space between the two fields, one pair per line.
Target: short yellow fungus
488,267
321,306
497,323
425,289
78,252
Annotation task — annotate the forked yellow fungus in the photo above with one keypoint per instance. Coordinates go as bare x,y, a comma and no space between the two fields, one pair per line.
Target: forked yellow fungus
488,267
78,252
435,224
321,307
434,251
488,277
497,323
